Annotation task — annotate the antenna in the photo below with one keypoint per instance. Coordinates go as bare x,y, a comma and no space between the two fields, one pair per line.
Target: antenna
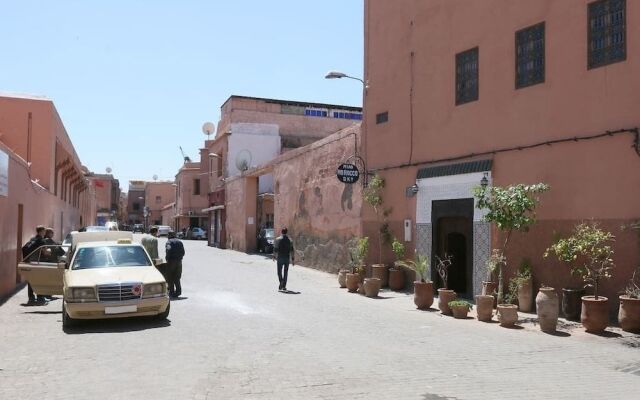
108,170
155,177
208,128
243,160
184,156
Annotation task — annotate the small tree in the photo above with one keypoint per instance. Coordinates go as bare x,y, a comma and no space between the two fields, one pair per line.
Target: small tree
372,195
398,249
358,252
443,268
588,252
510,209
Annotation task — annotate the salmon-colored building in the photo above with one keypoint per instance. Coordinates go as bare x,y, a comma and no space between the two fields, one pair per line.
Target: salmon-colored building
136,202
191,197
157,195
42,181
107,190
515,91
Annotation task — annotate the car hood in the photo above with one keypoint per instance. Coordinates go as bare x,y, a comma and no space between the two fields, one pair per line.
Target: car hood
110,275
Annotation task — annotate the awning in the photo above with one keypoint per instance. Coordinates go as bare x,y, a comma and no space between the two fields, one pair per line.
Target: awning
214,208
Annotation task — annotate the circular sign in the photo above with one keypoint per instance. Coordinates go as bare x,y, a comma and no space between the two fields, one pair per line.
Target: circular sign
348,173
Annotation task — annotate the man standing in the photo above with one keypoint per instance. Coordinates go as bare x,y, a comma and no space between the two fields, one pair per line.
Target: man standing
282,253
54,252
174,255
150,243
28,250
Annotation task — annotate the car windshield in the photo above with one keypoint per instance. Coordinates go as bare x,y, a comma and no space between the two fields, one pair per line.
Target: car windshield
268,233
110,256
97,229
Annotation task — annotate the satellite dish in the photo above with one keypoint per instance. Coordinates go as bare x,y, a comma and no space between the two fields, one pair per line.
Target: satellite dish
155,177
109,170
208,128
243,160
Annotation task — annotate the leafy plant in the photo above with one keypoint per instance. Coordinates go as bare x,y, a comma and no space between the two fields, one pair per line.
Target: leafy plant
443,268
398,249
588,252
633,288
461,303
510,209
522,277
358,252
511,295
420,265
372,195
494,263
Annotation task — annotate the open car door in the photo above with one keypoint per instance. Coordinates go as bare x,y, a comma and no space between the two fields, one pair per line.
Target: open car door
44,270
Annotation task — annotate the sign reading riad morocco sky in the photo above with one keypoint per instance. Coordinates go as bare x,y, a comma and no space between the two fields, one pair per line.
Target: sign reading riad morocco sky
348,173
4,174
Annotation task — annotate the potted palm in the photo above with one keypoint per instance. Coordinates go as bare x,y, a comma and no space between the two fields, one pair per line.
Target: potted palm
396,275
460,308
629,313
444,295
358,252
422,289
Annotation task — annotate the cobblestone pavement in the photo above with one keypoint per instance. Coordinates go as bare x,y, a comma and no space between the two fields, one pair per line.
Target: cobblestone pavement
234,336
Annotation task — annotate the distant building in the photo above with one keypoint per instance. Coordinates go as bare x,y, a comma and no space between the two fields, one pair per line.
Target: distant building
107,190
157,195
191,197
136,202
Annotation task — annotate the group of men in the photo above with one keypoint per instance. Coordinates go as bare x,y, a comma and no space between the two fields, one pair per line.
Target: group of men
174,252
43,237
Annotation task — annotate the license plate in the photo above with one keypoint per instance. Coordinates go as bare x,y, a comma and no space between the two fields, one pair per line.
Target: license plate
120,310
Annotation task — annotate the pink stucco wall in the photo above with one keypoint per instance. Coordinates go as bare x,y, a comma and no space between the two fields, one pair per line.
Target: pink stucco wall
166,193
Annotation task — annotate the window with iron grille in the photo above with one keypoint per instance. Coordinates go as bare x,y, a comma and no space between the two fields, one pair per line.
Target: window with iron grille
467,76
530,56
382,117
607,32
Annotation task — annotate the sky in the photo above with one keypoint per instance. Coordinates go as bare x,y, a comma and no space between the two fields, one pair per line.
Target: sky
135,79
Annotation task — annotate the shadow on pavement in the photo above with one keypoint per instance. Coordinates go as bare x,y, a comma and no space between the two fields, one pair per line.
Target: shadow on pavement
179,298
606,334
116,325
43,312
289,292
557,333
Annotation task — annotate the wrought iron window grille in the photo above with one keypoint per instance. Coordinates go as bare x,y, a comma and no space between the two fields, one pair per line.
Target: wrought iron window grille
467,76
530,56
607,32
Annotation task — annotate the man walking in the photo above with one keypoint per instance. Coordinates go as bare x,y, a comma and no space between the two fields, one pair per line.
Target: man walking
28,250
174,255
282,253
150,243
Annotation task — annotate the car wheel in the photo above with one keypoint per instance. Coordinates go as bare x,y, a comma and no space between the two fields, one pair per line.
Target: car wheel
67,321
165,314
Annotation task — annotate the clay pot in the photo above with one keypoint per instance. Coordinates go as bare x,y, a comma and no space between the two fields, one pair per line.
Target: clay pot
444,297
488,288
484,307
353,280
572,303
423,294
547,308
342,277
371,287
460,312
507,315
595,313
396,279
380,271
525,295
629,314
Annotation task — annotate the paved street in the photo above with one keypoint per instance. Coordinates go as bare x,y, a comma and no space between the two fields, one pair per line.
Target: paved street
233,336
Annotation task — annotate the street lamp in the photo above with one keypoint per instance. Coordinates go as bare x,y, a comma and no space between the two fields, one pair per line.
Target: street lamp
484,182
340,75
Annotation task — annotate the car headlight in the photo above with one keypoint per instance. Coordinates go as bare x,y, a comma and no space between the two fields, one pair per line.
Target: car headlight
155,290
81,294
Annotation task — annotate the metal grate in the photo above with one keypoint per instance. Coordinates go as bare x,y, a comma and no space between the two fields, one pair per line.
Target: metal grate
607,32
530,62
467,76
119,292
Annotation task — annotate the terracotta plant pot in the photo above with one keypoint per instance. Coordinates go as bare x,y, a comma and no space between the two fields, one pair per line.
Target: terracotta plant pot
353,280
507,315
525,295
595,313
371,287
396,279
444,297
460,312
488,288
547,308
342,277
380,271
629,314
423,294
484,307
572,303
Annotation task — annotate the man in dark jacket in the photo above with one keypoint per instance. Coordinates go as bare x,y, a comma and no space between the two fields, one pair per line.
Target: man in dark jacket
54,252
174,255
29,254
283,253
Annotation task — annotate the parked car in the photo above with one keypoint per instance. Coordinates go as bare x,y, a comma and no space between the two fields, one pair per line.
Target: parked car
106,275
163,230
112,226
265,240
138,228
196,233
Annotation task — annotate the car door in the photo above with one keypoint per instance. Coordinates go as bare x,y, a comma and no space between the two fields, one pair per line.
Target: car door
46,278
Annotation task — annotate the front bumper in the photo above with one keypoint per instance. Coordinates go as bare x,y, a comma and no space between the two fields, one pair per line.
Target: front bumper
145,307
